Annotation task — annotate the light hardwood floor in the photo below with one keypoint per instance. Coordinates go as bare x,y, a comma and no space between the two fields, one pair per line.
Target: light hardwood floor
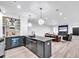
66,49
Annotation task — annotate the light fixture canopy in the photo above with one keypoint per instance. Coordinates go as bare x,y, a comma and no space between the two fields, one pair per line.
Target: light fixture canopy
60,13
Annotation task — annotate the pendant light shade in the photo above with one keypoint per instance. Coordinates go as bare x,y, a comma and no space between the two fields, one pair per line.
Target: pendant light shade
30,24
41,21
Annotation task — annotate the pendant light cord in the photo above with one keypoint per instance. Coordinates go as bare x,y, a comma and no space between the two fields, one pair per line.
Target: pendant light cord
40,12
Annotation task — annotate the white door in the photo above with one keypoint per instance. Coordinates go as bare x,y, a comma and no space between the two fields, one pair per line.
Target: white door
2,47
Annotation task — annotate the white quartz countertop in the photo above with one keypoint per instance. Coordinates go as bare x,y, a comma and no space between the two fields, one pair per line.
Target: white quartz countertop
44,39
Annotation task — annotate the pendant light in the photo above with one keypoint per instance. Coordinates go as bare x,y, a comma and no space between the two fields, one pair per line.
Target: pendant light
41,21
17,5
29,23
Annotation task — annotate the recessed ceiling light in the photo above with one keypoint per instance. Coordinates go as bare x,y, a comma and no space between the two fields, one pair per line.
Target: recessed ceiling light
65,18
18,6
4,11
60,13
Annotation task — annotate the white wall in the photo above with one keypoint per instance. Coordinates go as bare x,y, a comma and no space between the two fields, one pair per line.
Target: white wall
23,23
23,26
39,30
69,29
54,29
1,26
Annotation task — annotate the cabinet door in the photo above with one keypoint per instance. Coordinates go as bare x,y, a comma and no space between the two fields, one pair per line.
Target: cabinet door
8,43
47,49
34,46
16,42
40,49
20,41
24,41
28,43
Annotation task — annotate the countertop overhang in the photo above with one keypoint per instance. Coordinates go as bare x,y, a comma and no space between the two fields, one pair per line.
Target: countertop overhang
40,38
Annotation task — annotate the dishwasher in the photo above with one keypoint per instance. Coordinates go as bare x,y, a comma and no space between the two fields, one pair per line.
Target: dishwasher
2,48
34,45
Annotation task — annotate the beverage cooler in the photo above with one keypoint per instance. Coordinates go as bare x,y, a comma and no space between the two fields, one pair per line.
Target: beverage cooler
12,42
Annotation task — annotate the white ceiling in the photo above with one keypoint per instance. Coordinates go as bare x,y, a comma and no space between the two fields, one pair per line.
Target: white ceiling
70,11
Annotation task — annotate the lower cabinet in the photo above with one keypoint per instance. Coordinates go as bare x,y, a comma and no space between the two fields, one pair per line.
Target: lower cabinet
47,49
31,44
41,49
44,49
28,43
24,40
8,43
12,42
34,46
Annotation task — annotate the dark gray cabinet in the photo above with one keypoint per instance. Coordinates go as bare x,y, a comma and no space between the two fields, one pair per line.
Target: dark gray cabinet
44,49
24,40
40,48
28,43
12,42
34,46
31,44
8,43
47,49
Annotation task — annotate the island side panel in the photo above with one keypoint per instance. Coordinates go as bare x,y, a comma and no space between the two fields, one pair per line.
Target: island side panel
47,49
40,51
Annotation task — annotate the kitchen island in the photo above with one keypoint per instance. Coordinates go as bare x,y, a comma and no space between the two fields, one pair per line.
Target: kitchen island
41,46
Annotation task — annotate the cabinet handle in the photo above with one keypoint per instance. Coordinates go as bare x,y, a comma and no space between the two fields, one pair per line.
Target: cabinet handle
48,43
